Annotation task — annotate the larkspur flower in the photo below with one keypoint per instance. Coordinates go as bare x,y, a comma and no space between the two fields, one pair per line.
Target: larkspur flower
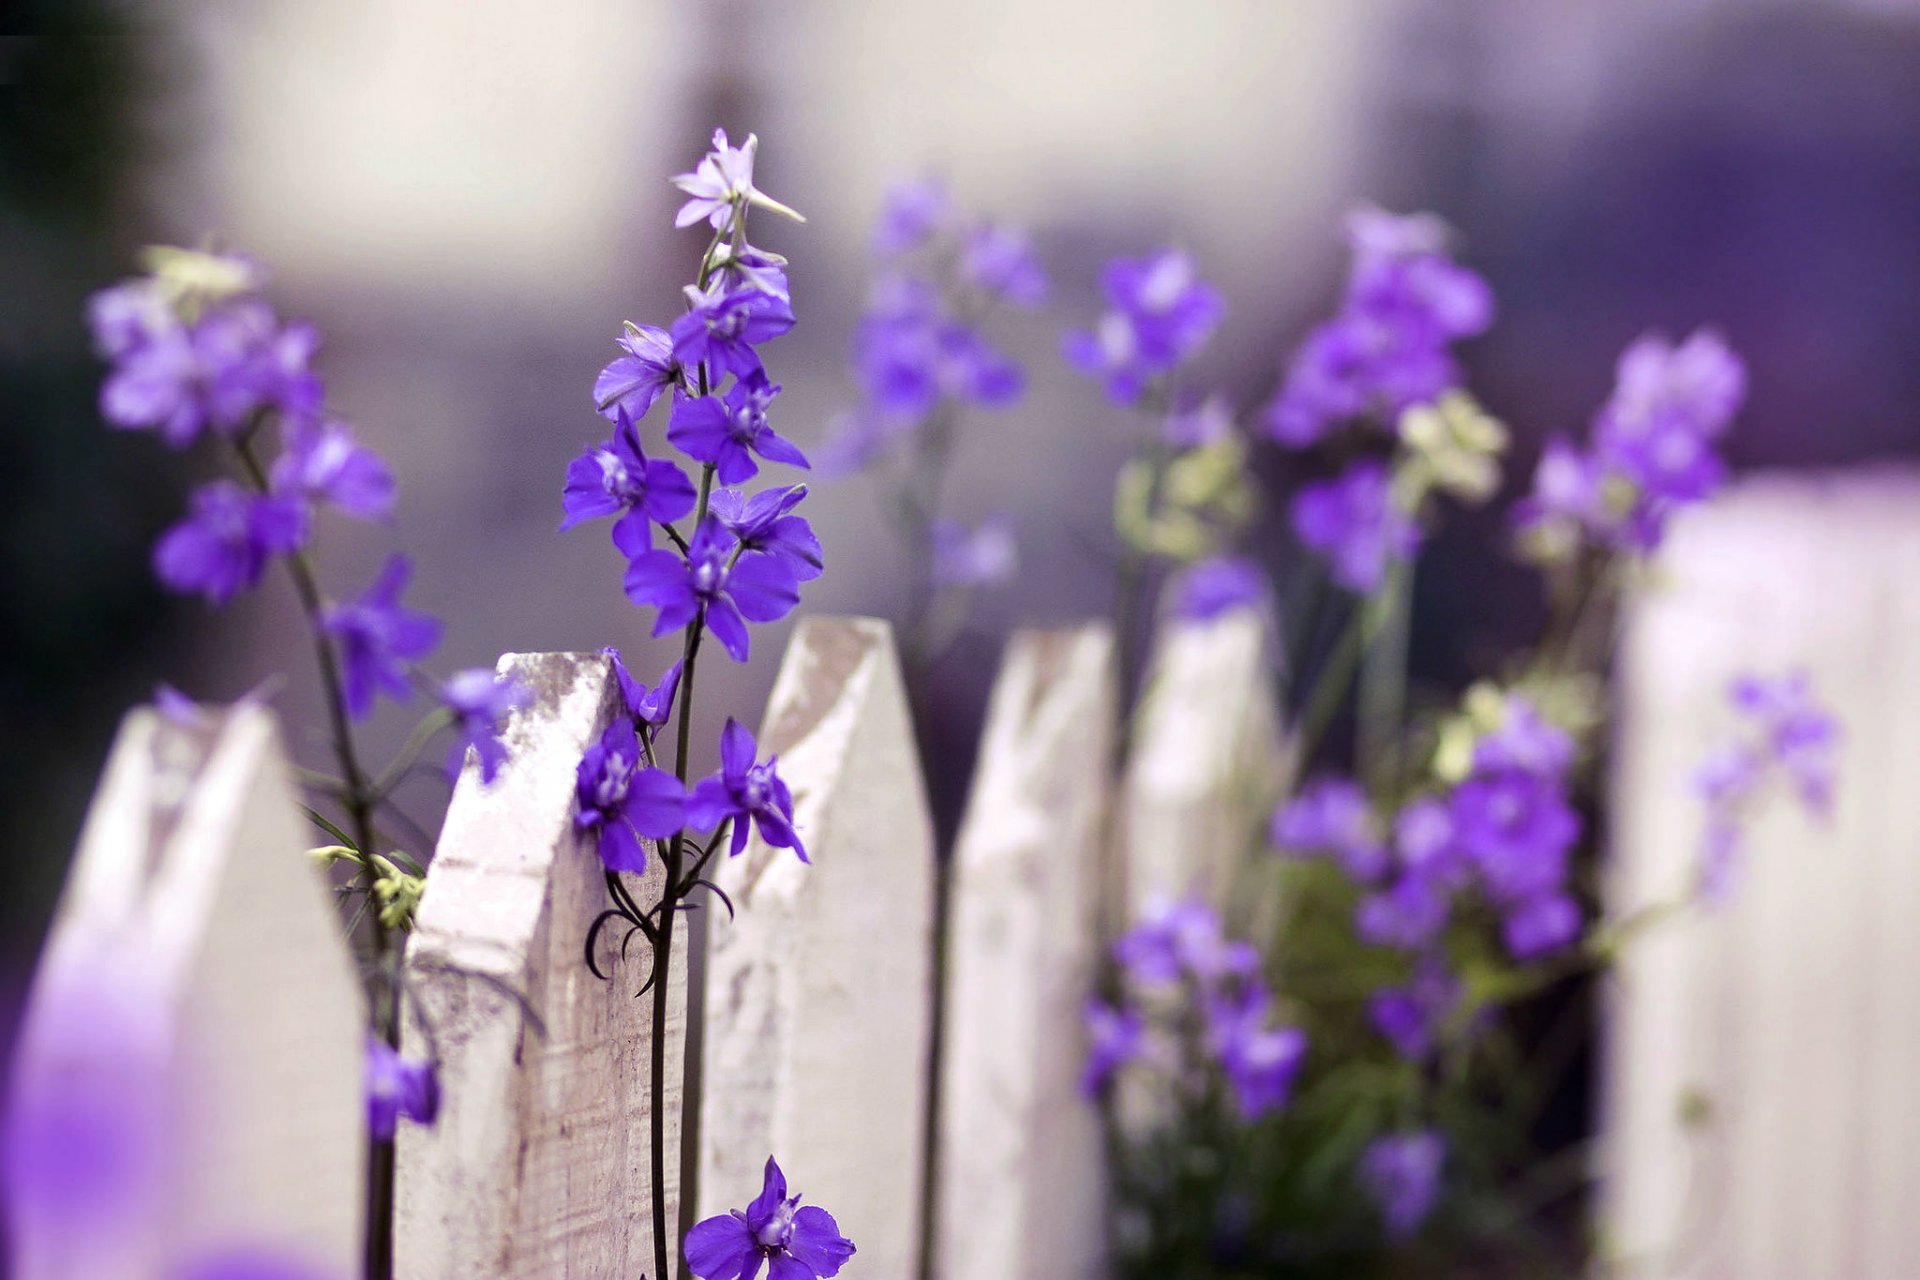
985,555
229,534
1524,740
1331,817
1409,1015
632,382
759,588
1259,1061
747,792
1407,914
724,324
396,1087
909,359
1401,1175
480,701
1000,261
1218,585
1160,313
722,180
647,706
619,800
616,478
1518,829
1798,734
324,463
765,524
857,438
793,1242
1175,940
742,266
378,638
728,430
1116,1037
1424,841
1542,923
913,213
1354,521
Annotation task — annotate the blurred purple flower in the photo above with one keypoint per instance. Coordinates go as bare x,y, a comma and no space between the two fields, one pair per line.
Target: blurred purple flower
1183,939
324,463
396,1087
1259,1061
1524,741
1517,828
618,800
480,701
999,260
223,545
745,791
1544,922
616,478
984,555
795,1243
758,588
1115,1038
913,213
1212,587
1401,1175
1160,313
1332,817
728,430
1410,1014
1353,520
1408,914
1196,421
378,638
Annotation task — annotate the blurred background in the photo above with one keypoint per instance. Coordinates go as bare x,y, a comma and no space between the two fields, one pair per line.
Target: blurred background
469,197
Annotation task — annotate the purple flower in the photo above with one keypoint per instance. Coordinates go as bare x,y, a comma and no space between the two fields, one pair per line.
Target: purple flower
616,478
1000,261
1212,587
1197,421
765,525
1401,1175
1423,837
796,1243
727,595
984,555
1331,817
222,547
635,380
645,706
180,379
1409,1015
1160,313
723,179
1115,1038
378,638
480,701
913,213
744,790
727,431
858,438
1700,383
129,314
1175,940
1408,914
745,267
1354,521
619,801
1537,925
1799,735
1525,741
324,463
1517,829
251,1264
909,355
1260,1062
396,1087
1567,488
725,325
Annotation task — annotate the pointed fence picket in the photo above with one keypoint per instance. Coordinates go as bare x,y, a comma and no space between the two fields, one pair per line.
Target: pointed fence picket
539,1163
1206,760
1788,1014
1021,1187
818,992
192,1052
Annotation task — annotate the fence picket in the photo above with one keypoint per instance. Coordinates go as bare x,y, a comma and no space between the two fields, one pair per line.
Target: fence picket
539,1164
196,1025
817,995
1021,1183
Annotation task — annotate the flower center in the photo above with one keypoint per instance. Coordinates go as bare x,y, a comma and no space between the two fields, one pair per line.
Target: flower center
614,477
615,778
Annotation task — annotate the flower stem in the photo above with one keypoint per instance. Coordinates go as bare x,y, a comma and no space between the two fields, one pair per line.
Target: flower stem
1383,680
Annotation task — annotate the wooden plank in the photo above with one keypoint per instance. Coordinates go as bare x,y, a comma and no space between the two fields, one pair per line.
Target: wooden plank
1206,760
196,1031
540,1162
818,995
1021,1183
1790,1007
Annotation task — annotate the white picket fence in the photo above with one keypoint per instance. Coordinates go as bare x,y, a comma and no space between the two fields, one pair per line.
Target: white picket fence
815,1004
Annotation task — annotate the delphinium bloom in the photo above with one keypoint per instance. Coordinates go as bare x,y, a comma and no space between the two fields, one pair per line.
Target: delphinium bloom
1354,520
617,478
619,800
630,384
1115,1038
379,638
480,702
984,555
1259,1061
1410,1014
1218,585
1389,347
1654,450
747,793
1401,1175
710,584
793,1242
1159,314
764,524
648,707
396,1087
324,463
721,182
1785,734
224,544
725,324
1331,817
728,430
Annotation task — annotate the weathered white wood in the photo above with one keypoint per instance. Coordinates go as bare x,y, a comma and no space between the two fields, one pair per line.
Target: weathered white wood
196,997
1205,762
1792,1008
540,1162
818,999
1021,1184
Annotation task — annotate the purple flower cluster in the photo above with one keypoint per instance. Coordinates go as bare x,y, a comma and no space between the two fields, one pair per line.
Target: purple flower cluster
1177,963
1400,1173
793,1243
1787,735
1390,345
1354,521
1159,314
1653,452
